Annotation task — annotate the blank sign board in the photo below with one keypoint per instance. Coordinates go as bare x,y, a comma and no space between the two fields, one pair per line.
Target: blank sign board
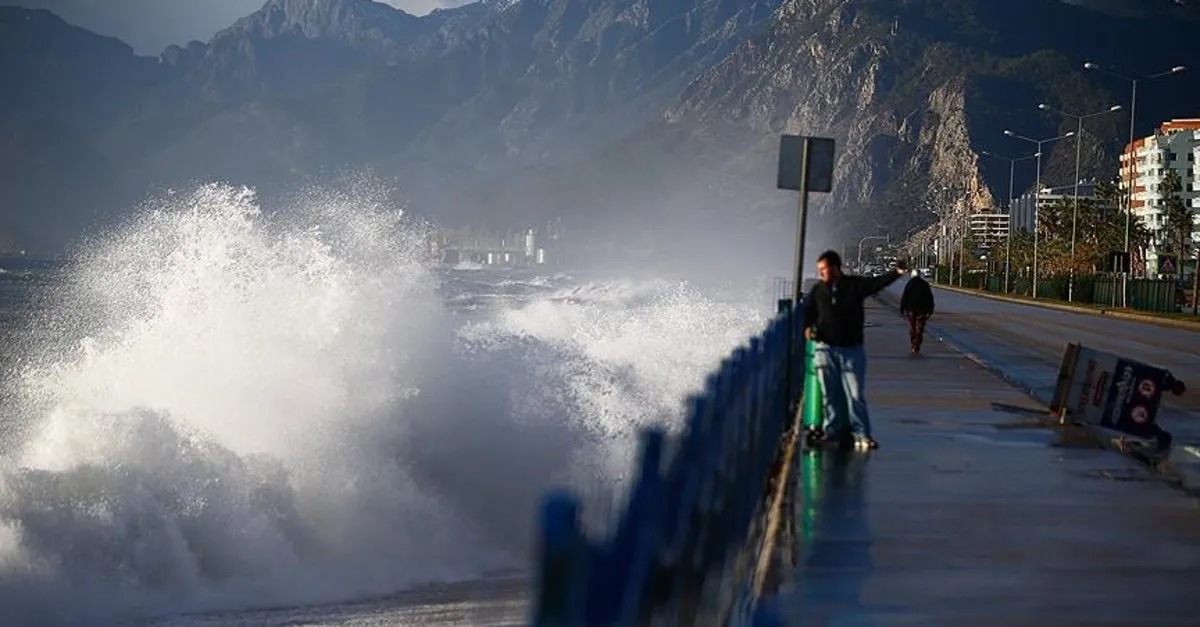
820,162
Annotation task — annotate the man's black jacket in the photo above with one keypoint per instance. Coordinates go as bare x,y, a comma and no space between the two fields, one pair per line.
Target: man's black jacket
836,310
918,297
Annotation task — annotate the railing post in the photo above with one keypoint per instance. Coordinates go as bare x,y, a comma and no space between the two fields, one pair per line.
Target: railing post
631,603
561,598
670,554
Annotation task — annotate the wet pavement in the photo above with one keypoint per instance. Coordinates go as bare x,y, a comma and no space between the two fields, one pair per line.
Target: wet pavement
1026,342
965,516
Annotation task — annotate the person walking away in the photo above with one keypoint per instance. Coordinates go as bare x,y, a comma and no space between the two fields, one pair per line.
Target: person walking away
834,320
916,305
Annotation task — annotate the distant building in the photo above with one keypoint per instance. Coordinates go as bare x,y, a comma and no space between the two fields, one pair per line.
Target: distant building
1174,146
988,227
530,243
501,249
1021,216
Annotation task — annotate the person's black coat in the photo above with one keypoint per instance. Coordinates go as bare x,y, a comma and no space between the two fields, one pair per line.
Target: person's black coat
917,297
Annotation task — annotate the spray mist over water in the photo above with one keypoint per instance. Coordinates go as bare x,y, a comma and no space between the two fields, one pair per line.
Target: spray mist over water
213,427
235,409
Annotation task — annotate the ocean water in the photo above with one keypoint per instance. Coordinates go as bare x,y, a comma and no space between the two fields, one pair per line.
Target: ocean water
217,416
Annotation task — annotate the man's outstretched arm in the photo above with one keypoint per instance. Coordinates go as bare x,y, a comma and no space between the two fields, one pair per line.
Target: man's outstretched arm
876,284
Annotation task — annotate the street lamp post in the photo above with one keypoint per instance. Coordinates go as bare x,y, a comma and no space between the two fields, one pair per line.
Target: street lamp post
1037,195
1075,204
1012,170
860,245
951,240
962,246
908,236
1132,127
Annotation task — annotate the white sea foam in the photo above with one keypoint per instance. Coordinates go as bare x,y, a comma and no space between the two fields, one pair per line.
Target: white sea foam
236,409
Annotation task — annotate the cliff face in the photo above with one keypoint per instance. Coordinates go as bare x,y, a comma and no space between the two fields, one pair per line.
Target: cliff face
609,113
911,108
59,86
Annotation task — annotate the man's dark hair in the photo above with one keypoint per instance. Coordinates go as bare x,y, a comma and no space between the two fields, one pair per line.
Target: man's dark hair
831,258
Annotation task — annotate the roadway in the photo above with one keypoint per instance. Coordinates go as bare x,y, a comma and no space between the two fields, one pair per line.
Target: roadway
1025,342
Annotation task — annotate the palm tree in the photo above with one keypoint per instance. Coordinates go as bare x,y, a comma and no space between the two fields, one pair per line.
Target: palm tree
1176,215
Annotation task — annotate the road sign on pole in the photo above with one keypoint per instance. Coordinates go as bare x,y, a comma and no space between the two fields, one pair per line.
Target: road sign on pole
805,165
1167,264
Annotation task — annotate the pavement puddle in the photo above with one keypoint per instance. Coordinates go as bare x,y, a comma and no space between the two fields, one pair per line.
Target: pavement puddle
1019,439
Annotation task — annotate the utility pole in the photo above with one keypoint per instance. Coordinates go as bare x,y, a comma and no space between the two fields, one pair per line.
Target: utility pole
1075,205
1130,183
805,165
1037,196
1012,169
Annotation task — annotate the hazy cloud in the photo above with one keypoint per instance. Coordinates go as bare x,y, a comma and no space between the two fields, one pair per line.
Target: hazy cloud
151,25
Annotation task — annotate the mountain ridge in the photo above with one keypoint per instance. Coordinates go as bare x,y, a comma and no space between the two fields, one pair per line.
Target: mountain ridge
610,112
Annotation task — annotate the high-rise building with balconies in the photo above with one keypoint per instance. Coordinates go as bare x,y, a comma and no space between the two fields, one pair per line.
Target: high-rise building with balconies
1174,146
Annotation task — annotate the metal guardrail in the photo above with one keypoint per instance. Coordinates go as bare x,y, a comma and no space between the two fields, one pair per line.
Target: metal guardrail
707,526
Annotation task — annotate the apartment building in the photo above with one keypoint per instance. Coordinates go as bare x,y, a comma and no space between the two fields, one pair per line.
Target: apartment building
1021,215
1174,146
987,228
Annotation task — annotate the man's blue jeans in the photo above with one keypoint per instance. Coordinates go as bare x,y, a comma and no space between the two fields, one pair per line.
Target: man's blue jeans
842,371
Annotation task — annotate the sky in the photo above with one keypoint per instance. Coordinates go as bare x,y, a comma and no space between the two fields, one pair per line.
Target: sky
151,25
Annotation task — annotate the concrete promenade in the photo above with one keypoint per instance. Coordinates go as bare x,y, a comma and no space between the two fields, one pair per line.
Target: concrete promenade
966,516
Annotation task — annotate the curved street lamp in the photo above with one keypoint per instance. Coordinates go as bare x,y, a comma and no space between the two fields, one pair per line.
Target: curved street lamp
1012,168
1037,194
1178,69
1075,205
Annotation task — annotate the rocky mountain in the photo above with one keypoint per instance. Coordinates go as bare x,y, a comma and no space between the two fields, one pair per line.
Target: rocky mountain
609,113
62,86
915,91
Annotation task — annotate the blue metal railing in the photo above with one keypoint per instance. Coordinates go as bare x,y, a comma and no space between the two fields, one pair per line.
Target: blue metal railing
691,539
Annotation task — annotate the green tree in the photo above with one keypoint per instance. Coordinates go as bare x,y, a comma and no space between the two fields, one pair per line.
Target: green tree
1109,198
968,250
1054,245
1021,253
1178,218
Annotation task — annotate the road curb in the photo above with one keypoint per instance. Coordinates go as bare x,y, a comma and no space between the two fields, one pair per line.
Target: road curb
1188,468
1182,465
1119,314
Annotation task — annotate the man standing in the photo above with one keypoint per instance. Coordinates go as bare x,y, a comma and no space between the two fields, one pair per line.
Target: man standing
834,320
916,305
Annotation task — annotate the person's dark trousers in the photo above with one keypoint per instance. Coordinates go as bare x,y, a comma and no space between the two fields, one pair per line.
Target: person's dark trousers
916,329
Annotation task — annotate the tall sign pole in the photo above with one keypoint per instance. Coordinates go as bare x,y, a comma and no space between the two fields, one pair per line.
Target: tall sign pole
801,223
805,165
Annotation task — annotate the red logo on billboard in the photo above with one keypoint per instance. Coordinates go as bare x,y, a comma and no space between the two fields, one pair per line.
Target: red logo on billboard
1147,388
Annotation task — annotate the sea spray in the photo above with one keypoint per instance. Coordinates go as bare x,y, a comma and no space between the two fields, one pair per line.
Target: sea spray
210,426
229,408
